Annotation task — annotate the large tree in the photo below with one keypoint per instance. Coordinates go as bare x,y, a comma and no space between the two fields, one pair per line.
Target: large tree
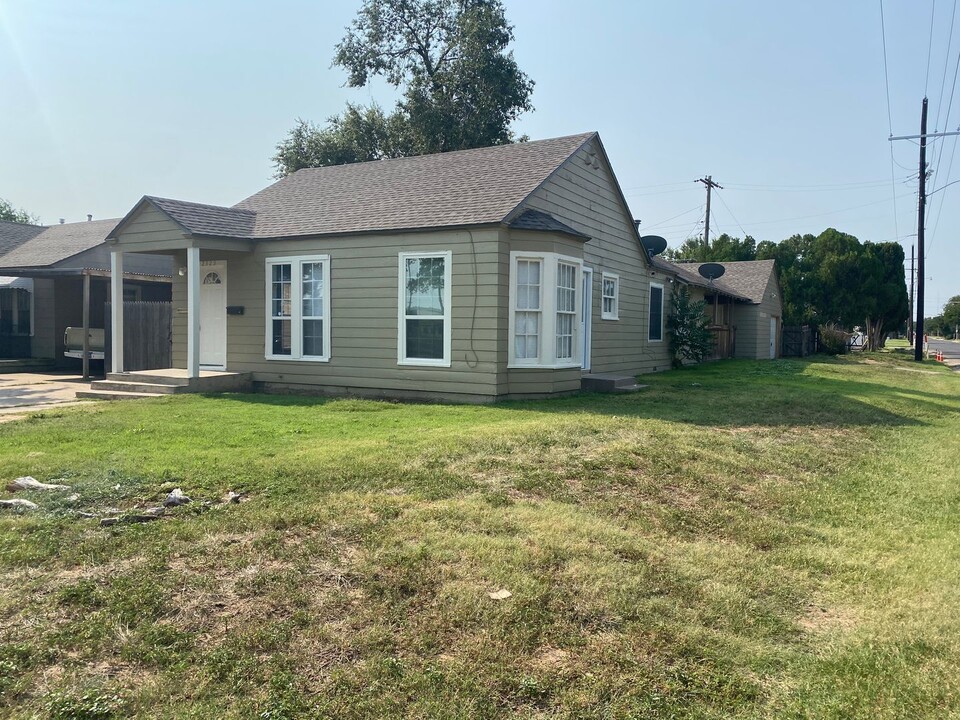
462,87
951,316
723,248
11,214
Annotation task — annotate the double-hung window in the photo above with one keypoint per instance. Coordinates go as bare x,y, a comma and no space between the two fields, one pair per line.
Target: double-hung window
526,332
423,336
545,310
566,309
656,312
298,308
610,296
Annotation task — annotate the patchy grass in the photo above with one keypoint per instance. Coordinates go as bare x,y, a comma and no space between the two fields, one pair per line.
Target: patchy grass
738,540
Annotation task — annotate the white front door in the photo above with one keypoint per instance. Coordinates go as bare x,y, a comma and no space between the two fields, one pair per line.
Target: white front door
213,314
586,316
773,338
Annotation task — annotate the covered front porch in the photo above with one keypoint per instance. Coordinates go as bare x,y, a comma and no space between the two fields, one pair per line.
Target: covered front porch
202,266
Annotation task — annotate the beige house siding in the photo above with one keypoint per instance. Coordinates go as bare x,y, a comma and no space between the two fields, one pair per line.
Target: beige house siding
364,276
587,199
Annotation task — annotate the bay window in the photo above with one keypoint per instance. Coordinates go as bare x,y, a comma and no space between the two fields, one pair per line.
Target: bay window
545,310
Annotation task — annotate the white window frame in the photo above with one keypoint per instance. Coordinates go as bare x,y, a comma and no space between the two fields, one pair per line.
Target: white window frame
649,314
615,314
547,356
296,307
447,256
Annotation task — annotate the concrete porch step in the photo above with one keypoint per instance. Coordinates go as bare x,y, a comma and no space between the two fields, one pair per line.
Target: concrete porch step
149,378
152,388
116,395
609,383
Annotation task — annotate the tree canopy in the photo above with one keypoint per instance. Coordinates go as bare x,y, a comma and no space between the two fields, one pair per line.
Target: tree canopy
827,278
462,87
11,214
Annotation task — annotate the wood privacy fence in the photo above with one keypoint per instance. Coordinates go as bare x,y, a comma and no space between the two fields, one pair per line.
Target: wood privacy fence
147,336
799,341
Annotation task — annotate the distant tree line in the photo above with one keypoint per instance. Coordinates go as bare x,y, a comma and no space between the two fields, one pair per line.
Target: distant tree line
830,278
946,324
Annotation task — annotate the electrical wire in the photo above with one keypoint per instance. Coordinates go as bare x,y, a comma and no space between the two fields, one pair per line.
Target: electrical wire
685,212
731,214
886,81
933,11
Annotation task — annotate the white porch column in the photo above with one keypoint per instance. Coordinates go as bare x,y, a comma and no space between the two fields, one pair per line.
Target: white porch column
193,312
116,304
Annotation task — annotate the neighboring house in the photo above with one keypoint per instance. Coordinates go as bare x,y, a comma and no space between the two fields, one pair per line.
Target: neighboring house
497,272
43,271
745,306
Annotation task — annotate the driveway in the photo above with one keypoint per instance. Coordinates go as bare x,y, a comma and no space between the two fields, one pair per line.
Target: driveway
22,392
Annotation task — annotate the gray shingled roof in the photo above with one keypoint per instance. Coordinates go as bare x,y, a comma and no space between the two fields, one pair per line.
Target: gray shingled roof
199,219
745,279
748,277
467,187
536,220
14,234
57,242
687,272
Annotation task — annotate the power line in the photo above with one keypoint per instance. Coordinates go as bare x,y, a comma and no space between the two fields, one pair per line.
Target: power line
926,81
946,65
886,81
732,215
685,212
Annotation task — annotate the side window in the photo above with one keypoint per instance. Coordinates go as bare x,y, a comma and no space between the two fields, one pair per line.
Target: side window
656,312
610,289
424,302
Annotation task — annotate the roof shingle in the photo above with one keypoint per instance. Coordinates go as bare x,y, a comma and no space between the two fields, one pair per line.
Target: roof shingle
466,187
57,242
537,220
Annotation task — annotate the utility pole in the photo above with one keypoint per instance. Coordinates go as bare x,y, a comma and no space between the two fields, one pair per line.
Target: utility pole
921,210
921,213
910,316
709,184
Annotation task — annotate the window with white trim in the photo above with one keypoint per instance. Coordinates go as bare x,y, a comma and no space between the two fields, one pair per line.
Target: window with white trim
545,310
566,309
656,313
298,308
610,296
528,303
423,336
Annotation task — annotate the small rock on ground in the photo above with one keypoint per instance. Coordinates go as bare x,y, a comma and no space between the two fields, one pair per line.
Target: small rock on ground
176,497
18,504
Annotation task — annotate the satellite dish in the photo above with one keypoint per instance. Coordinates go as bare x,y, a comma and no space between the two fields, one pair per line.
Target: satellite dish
654,244
712,271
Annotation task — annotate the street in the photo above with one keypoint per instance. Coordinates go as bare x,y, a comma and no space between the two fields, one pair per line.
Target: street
950,350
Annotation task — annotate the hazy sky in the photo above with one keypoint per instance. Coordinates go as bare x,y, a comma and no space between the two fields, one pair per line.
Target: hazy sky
783,103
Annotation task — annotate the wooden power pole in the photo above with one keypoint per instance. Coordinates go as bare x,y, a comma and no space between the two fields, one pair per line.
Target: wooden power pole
709,184
910,316
921,212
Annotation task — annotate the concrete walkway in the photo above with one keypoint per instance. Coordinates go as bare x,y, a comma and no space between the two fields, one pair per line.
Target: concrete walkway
21,393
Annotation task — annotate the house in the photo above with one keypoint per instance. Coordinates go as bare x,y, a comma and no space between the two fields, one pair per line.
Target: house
745,306
507,271
54,277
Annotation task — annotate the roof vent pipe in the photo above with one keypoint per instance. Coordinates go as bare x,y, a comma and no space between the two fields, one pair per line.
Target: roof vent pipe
89,217
62,221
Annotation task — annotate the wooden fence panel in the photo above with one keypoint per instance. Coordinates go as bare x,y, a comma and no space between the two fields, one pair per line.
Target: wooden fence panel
147,336
799,341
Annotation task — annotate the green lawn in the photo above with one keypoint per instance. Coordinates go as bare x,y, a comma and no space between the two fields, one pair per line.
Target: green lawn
743,539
